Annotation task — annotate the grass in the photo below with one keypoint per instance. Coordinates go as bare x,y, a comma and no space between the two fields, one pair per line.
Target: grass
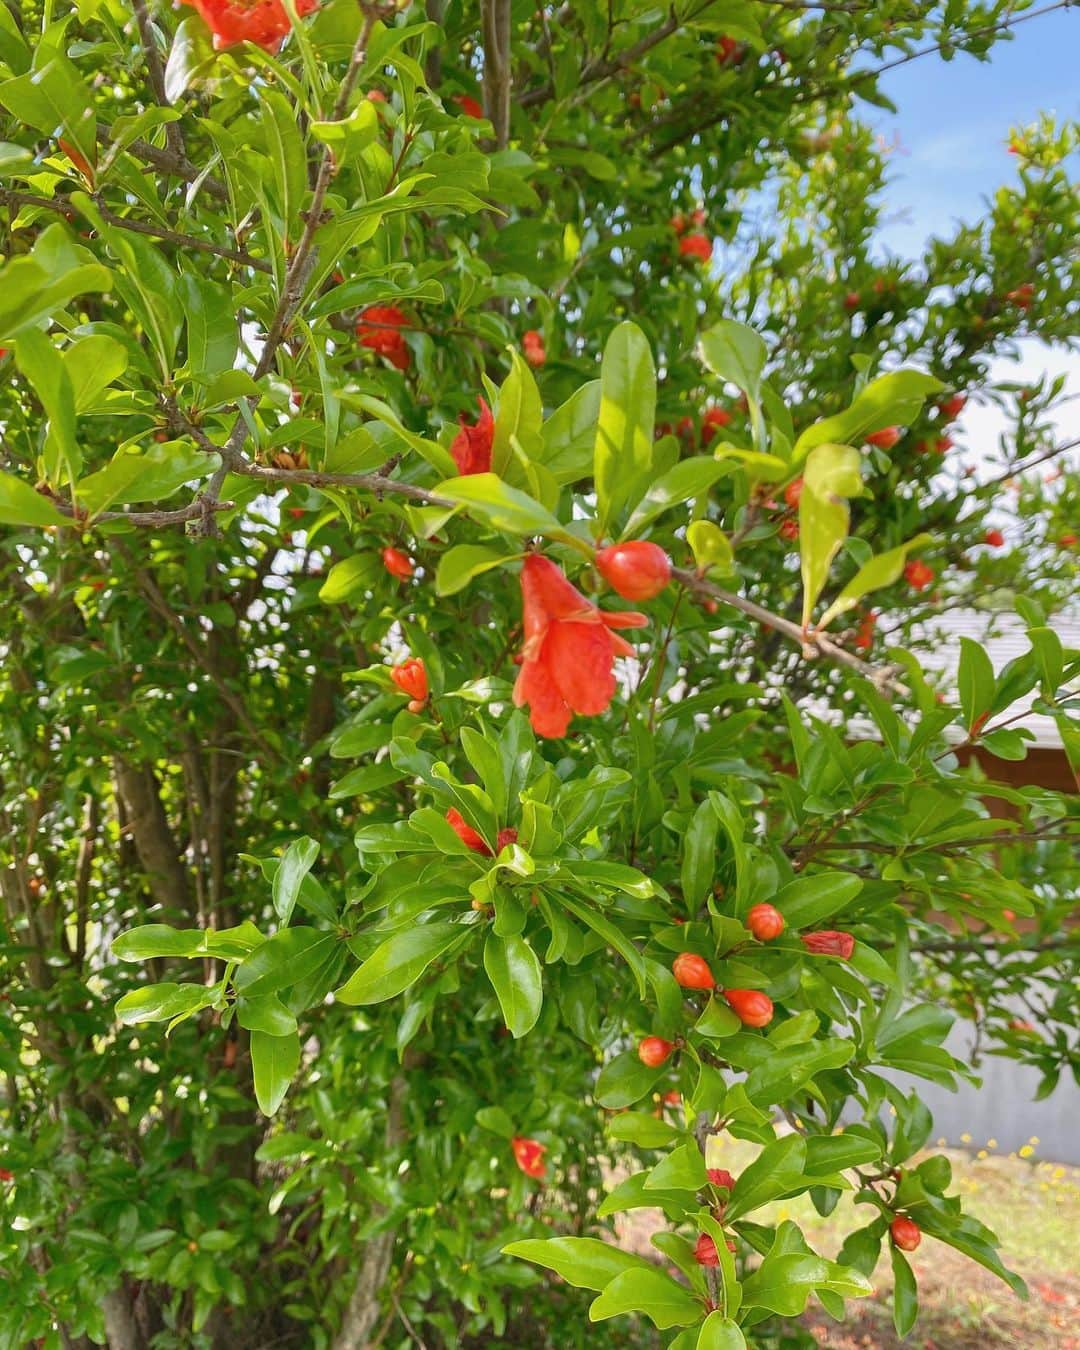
1032,1205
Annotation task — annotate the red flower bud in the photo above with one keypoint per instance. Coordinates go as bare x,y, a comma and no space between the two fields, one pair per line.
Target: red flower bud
468,105
672,1098
1022,296
952,407
719,1177
789,529
471,447
411,678
918,576
5,1175
713,420
751,1006
1067,541
654,1050
727,49
765,922
884,439
637,570
865,637
697,246
532,344
466,833
852,301
793,492
705,1253
235,21
906,1233
398,564
507,836
943,444
829,943
994,538
529,1156
692,971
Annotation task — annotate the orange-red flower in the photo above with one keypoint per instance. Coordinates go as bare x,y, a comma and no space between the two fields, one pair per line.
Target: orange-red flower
750,1006
529,1156
263,22
994,538
864,639
727,49
720,1176
918,575
793,493
411,678
953,407
697,246
379,328
398,564
885,439
471,447
829,943
468,105
569,652
532,344
714,419
1022,296
468,836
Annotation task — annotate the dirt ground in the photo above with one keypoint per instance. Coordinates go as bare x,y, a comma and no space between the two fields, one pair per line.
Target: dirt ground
1033,1206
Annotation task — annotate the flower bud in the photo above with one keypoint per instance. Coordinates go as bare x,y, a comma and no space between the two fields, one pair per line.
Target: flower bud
719,1176
466,833
398,564
692,971
765,922
829,943
705,1253
411,678
906,1233
751,1006
637,570
654,1050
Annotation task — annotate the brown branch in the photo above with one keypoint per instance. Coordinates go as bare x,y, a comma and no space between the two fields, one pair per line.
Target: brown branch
1031,463
156,71
195,509
495,21
812,644
177,166
137,785
83,871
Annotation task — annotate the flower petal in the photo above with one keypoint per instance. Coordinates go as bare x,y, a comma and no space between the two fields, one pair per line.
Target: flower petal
548,712
580,657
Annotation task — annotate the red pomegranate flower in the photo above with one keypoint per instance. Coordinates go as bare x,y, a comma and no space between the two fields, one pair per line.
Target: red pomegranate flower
5,1175
953,407
994,538
720,1176
705,1253
263,22
865,638
697,246
379,328
411,678
714,419
885,439
793,493
468,105
471,447
569,652
918,575
468,836
829,943
727,48
398,564
532,344
1022,296
529,1156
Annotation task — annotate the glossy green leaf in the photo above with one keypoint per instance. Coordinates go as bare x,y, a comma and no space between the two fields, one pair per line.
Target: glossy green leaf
894,399
830,477
623,452
514,972
664,1301
296,862
880,571
274,1061
586,1263
398,963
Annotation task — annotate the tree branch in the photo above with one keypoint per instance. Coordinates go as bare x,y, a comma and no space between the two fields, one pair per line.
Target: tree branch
495,21
812,644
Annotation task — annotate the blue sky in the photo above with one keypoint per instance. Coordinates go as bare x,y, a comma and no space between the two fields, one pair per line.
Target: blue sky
953,123
954,118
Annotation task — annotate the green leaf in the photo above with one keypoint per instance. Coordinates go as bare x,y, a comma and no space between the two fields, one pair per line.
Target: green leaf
711,547
623,1081
778,1169
878,572
283,960
831,475
91,363
21,505
458,566
350,578
689,478
1049,658
157,939
642,1128
720,1333
623,452
149,475
398,963
569,435
296,863
664,1301
514,972
497,1120
783,1283
161,1002
905,1293
274,1061
265,1013
190,54
211,327
698,855
488,498
432,451
586,1263
354,133
736,353
805,901
53,98
29,293
519,419
682,1170
894,399
975,681
40,362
